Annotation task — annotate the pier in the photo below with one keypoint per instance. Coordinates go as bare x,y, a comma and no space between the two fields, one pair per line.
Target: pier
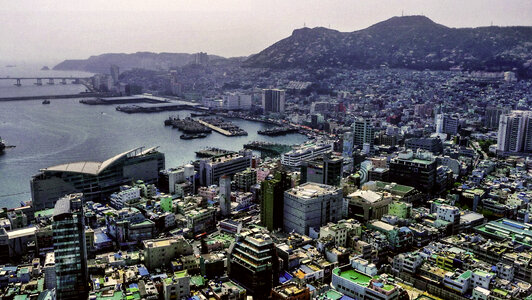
224,127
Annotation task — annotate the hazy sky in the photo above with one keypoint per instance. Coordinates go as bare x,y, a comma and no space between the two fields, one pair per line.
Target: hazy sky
50,31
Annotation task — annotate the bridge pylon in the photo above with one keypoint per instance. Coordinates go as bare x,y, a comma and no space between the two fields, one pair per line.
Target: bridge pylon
39,81
18,82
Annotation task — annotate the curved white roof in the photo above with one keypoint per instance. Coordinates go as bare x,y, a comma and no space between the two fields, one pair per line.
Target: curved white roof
92,167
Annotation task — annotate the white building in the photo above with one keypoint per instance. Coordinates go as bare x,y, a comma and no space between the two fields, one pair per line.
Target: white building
126,195
515,132
177,286
311,205
237,101
307,151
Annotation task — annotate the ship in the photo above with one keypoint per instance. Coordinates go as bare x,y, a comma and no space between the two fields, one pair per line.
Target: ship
46,101
2,145
192,136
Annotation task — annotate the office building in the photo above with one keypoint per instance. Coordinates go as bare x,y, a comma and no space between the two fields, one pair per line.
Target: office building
225,195
431,144
272,200
311,205
115,71
246,179
492,116
96,180
254,264
70,250
236,101
414,169
158,253
273,101
364,133
447,124
326,170
367,205
515,132
294,158
49,271
201,58
211,169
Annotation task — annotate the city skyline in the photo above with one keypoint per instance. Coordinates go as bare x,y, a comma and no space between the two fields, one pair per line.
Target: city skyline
63,30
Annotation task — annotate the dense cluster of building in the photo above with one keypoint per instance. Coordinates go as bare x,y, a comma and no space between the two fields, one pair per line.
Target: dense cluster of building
410,187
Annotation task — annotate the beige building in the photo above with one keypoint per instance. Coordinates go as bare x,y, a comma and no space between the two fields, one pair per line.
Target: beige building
367,205
160,252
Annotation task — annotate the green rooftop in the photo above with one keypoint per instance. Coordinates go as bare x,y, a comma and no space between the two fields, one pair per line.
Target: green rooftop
333,295
465,275
354,276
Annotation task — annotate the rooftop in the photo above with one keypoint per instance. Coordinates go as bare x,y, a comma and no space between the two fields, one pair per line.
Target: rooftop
354,276
311,190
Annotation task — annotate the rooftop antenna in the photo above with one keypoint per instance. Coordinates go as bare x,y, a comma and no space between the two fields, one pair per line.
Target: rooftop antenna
402,13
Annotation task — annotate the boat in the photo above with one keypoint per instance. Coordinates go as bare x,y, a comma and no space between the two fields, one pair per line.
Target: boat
192,136
2,145
46,101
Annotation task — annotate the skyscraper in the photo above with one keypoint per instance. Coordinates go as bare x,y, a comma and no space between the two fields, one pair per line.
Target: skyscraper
273,101
272,200
492,116
115,71
515,132
254,264
363,133
225,195
70,248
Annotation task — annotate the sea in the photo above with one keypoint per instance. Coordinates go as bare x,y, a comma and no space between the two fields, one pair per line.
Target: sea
68,131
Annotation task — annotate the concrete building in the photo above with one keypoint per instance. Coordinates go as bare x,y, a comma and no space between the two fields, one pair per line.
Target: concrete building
291,291
431,144
49,271
308,151
225,195
367,205
177,286
210,170
358,285
273,101
159,252
515,132
245,180
311,205
70,250
364,133
236,101
447,124
272,200
417,170
492,116
325,170
254,264
96,180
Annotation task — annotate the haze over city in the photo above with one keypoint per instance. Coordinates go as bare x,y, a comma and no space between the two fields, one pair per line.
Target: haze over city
51,31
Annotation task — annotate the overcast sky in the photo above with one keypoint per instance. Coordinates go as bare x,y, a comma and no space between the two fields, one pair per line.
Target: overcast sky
51,31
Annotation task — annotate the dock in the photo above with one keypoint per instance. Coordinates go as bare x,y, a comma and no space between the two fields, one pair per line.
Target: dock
268,148
211,152
224,127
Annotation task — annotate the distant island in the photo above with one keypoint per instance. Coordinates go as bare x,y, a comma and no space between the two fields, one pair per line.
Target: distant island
45,68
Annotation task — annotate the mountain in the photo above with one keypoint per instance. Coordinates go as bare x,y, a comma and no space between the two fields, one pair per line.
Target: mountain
414,42
144,60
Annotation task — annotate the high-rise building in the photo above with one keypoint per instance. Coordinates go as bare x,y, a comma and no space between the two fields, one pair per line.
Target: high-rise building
515,132
115,71
246,179
447,124
272,200
326,170
70,248
431,144
96,180
364,133
414,169
201,58
311,205
237,101
492,116
211,169
225,195
254,264
273,101
294,158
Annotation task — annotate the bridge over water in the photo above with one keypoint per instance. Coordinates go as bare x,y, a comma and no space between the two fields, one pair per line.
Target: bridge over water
49,80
